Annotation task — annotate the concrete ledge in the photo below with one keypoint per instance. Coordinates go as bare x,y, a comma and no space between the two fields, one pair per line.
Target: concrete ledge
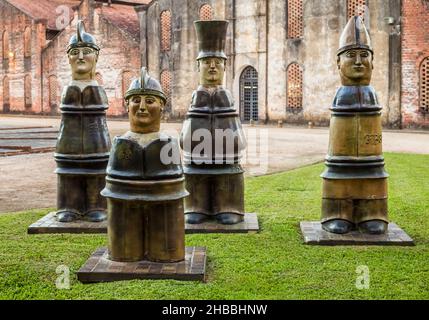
314,235
99,268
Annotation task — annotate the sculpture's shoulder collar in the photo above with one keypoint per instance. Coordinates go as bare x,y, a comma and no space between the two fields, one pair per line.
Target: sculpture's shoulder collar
356,98
84,96
144,139
211,90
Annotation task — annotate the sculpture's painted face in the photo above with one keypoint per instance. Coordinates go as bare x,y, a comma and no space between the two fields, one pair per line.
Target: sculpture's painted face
211,71
144,113
83,62
355,67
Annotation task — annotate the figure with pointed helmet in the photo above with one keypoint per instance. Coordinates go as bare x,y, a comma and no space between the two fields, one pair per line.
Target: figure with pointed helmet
212,137
83,143
145,183
355,181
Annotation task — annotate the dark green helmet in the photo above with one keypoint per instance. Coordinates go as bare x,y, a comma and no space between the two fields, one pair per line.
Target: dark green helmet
82,39
145,85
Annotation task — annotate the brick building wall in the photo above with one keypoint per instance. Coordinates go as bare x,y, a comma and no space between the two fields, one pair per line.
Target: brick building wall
32,76
18,64
118,62
169,47
286,48
415,49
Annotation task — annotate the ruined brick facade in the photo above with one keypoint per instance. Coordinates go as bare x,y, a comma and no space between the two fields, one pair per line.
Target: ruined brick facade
289,48
37,75
281,54
415,57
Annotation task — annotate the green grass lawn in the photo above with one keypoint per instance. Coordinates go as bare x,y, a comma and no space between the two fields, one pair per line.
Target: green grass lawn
273,264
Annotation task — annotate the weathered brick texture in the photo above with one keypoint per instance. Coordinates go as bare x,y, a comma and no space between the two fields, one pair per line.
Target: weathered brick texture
415,48
115,27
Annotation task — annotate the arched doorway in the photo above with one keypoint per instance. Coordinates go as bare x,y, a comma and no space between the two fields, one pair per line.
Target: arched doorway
249,94
206,12
27,92
53,94
6,95
424,86
294,88
166,82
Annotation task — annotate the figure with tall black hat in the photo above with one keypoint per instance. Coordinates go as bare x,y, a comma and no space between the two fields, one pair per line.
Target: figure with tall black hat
212,137
355,181
83,143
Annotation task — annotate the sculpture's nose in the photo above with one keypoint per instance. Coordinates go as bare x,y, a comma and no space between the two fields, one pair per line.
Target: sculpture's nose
80,54
142,105
358,60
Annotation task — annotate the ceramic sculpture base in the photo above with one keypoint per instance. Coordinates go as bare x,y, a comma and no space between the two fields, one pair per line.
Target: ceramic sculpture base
49,224
314,235
249,225
98,268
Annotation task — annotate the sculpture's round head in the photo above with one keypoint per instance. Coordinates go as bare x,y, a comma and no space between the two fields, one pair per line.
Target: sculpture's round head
144,113
355,54
355,66
82,52
145,101
83,62
211,71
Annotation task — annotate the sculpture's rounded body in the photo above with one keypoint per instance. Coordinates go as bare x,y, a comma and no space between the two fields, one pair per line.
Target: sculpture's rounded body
355,182
145,200
214,177
82,150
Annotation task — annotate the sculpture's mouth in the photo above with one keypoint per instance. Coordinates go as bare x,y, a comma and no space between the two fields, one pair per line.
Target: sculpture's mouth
142,114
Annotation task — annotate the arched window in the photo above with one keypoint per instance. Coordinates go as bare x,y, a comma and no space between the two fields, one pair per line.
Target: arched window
424,86
166,80
5,45
53,94
165,27
294,88
27,91
6,94
206,12
99,78
127,77
356,8
27,42
295,27
249,94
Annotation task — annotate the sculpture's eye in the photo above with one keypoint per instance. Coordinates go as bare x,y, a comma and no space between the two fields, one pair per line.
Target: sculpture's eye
136,100
74,52
150,100
87,51
364,54
351,54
